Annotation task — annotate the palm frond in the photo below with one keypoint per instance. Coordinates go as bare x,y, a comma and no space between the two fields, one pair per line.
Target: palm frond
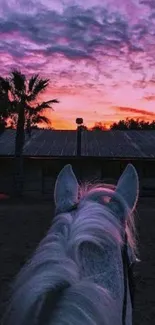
40,119
44,105
4,85
5,101
4,112
14,105
13,120
39,86
53,101
19,82
32,82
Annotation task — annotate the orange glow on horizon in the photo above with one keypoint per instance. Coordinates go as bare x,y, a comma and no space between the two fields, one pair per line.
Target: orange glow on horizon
76,102
62,123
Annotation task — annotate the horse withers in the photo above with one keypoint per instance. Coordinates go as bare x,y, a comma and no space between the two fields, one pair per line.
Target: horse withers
81,273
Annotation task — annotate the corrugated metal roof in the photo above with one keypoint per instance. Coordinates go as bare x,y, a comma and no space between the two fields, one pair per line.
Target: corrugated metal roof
96,144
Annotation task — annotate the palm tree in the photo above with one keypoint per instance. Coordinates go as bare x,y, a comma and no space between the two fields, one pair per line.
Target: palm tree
4,103
23,95
34,115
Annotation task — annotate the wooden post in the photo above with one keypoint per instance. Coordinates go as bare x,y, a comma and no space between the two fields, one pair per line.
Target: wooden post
78,150
79,122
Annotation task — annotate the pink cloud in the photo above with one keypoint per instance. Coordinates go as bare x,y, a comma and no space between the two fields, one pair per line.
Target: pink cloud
96,59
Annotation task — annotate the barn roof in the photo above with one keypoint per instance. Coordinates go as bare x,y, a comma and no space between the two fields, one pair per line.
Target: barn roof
110,144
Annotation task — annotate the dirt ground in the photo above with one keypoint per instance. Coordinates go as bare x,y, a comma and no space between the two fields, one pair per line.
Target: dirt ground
23,225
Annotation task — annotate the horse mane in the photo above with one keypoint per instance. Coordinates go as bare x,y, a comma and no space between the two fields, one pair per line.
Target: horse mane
50,289
130,228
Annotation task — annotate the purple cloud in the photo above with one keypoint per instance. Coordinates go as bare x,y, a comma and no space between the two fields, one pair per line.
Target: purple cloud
34,33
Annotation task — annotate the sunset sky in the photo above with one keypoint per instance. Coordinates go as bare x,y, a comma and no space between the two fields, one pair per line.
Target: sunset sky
98,54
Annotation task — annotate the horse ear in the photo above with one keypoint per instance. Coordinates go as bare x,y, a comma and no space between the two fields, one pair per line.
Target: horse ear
66,190
128,186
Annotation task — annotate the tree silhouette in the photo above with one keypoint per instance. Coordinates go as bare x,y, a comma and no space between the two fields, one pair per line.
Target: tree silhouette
5,107
19,97
99,126
131,124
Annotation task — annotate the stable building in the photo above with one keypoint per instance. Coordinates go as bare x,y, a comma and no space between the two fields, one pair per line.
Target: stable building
102,157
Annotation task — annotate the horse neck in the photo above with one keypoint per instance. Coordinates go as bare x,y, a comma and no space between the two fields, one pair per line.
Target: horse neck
96,263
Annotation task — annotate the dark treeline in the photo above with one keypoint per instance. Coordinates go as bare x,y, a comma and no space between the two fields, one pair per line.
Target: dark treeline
132,124
127,124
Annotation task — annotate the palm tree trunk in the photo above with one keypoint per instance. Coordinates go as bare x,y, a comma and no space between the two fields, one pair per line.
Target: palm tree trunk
19,143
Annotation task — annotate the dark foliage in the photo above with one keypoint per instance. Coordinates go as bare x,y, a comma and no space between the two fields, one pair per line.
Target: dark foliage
131,124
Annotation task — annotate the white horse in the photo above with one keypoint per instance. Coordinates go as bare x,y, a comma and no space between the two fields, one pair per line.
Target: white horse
80,273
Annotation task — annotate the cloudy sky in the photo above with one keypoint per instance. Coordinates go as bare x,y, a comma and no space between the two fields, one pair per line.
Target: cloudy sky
98,54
